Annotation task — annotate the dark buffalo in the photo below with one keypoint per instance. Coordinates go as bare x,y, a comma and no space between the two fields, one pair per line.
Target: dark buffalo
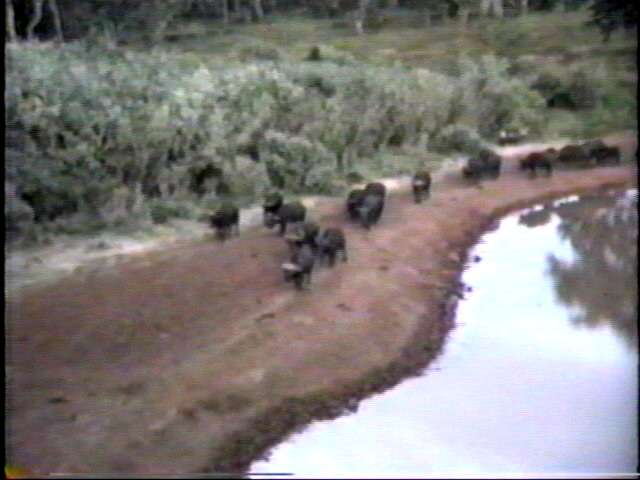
421,184
593,147
354,200
608,155
370,210
602,154
375,188
573,155
486,164
225,220
537,160
330,242
304,234
271,205
300,267
293,212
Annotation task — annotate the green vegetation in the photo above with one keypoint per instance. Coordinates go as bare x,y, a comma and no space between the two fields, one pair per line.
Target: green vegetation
100,135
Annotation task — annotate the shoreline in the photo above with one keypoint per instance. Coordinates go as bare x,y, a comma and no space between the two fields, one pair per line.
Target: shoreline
294,414
37,266
203,350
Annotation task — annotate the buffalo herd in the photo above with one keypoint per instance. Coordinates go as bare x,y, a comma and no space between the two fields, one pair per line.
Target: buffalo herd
310,246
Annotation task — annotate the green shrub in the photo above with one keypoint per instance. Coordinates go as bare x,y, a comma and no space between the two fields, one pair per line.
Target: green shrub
297,164
314,54
497,101
114,134
162,211
259,51
328,53
458,138
506,38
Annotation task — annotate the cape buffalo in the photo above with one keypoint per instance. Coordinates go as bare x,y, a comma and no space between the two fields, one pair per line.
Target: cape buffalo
537,160
573,155
272,203
354,200
304,234
300,267
225,220
421,184
599,153
293,212
375,188
330,242
370,210
486,164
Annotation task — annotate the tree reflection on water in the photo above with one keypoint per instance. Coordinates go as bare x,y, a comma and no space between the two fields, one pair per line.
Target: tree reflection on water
600,283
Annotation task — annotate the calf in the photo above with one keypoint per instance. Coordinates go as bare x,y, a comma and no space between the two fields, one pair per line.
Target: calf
271,205
225,220
293,212
300,267
370,210
354,200
537,160
304,234
330,242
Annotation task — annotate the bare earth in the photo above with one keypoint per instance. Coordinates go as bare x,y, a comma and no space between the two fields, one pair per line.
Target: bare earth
151,365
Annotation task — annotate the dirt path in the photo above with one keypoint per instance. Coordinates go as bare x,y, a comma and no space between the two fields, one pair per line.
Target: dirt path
158,364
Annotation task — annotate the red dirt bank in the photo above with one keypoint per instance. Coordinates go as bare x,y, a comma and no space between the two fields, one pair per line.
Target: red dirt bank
161,364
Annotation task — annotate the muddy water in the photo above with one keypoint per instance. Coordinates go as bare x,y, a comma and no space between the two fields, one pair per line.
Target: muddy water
538,377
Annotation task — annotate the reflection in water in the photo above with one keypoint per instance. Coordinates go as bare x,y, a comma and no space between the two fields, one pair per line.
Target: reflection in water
520,388
536,217
600,283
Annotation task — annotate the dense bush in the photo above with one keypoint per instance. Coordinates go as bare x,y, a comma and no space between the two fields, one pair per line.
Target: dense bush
580,88
110,134
506,38
497,100
258,51
458,138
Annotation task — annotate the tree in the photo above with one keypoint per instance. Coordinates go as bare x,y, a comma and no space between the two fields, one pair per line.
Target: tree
257,6
35,19
492,5
53,6
11,22
465,7
610,15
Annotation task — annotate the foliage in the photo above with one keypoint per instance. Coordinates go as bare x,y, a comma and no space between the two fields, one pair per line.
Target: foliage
506,38
258,51
112,134
585,87
163,210
498,101
458,138
610,15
